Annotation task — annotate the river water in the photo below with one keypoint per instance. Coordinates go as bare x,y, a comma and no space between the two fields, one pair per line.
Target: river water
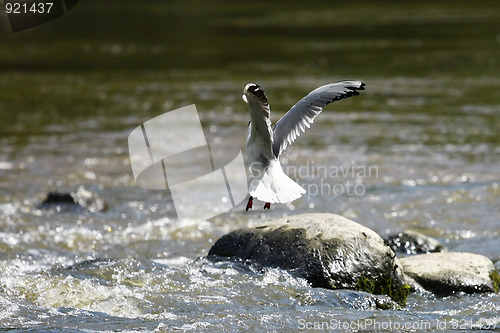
418,149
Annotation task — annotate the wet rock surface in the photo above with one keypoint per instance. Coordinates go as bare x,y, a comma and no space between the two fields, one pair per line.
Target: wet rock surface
328,250
446,273
68,201
413,242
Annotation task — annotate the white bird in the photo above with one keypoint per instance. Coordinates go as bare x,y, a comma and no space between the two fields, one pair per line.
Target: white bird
265,143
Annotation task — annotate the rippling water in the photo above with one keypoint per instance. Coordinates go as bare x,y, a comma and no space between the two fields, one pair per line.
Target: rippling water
418,149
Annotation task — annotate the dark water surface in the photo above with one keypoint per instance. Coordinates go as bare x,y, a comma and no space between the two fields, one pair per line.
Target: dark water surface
418,149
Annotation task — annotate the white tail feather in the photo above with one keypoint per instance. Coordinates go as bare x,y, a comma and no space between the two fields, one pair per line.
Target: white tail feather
275,186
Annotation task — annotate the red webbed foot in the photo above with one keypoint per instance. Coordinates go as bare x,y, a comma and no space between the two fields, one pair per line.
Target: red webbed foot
267,205
249,204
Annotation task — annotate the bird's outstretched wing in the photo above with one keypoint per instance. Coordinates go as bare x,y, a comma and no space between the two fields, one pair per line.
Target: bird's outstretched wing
302,114
260,114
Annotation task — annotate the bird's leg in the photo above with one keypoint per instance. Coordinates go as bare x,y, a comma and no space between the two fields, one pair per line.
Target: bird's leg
250,203
267,205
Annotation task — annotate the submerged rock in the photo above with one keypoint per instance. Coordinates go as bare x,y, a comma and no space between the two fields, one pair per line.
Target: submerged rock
328,250
57,198
413,242
446,273
82,198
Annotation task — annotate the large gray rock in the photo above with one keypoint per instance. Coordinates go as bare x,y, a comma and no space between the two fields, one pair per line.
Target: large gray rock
448,272
328,250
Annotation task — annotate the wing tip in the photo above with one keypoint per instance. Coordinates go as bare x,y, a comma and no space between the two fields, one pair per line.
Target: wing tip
255,90
251,87
353,87
354,84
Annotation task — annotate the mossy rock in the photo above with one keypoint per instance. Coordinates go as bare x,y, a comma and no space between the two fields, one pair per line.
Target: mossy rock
495,280
384,287
328,250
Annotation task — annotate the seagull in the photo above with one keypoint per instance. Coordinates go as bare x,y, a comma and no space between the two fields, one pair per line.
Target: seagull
266,143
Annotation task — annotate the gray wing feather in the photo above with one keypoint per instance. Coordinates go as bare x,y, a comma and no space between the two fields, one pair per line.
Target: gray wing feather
302,114
260,124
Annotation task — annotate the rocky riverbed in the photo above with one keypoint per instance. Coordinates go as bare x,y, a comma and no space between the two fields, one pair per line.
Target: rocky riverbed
333,252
